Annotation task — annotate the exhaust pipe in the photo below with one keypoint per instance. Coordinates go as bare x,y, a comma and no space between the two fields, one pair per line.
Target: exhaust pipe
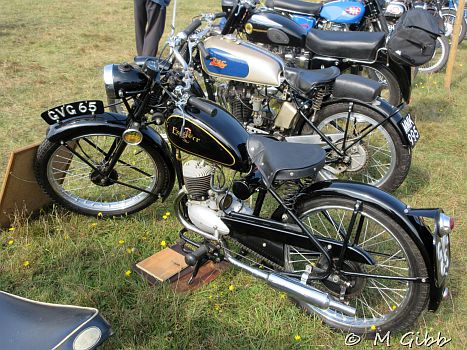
295,289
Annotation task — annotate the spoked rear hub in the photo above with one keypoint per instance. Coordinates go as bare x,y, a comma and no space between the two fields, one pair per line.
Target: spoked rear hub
343,286
99,179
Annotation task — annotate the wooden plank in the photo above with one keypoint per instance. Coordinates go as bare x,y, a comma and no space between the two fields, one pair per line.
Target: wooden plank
163,264
454,44
20,192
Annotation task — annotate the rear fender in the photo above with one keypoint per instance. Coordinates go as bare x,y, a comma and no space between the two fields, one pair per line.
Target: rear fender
403,74
407,218
114,124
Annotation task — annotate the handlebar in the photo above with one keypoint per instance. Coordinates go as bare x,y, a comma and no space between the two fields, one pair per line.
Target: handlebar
192,27
202,105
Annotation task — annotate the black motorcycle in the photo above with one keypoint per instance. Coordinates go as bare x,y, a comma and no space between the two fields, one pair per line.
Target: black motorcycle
360,53
357,256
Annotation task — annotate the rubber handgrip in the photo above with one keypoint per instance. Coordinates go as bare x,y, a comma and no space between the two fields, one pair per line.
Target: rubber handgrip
192,27
202,106
219,15
204,53
192,258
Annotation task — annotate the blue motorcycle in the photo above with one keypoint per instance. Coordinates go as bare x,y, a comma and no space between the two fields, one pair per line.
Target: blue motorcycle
365,15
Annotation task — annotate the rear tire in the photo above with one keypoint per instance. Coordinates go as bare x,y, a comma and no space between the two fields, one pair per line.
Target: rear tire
381,304
449,17
391,89
440,57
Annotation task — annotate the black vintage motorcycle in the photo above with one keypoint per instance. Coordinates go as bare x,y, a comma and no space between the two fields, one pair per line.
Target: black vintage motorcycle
360,53
357,256
29,324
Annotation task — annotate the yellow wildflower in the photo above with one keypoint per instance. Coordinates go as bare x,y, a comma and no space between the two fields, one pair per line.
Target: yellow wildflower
130,250
165,217
26,263
231,287
167,213
297,337
163,244
121,242
11,229
94,224
99,215
217,307
394,307
283,295
127,273
210,297
10,242
373,328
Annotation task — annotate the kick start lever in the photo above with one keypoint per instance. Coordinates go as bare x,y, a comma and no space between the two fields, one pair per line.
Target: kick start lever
196,259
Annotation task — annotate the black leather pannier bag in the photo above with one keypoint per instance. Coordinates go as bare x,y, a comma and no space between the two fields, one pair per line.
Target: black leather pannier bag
413,40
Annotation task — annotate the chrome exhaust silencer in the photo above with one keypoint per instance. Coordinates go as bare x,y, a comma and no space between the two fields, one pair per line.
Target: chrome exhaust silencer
295,289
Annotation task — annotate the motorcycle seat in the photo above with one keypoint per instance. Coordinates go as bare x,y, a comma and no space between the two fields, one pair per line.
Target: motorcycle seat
353,45
281,161
306,80
28,324
356,87
296,6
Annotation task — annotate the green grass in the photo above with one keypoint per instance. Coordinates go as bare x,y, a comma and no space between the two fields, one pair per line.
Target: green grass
52,52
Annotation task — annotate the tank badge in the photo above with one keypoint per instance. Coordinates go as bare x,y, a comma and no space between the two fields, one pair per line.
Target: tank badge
187,135
248,28
353,10
218,63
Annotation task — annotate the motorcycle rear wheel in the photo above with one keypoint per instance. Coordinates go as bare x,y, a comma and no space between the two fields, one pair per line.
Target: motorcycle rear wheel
381,304
380,159
449,18
440,57
73,184
391,91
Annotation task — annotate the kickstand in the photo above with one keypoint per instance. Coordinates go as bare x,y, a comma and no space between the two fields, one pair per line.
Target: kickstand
199,263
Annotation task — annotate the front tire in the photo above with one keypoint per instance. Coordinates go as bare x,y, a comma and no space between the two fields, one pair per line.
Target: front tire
72,183
380,159
382,304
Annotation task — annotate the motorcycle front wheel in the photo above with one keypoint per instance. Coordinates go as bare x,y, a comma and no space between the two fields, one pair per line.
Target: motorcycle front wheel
440,57
449,18
383,302
380,159
135,182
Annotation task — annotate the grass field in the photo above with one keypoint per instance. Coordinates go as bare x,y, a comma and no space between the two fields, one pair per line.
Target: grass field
53,52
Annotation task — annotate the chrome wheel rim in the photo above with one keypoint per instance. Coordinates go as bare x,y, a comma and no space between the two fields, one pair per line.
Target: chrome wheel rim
436,61
70,177
379,300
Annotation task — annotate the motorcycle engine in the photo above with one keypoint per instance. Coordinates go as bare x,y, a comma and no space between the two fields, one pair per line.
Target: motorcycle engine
333,26
207,205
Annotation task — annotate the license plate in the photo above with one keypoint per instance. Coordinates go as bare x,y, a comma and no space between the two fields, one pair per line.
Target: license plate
442,246
74,109
410,129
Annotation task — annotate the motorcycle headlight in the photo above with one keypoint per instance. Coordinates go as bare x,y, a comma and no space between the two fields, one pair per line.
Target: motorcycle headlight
109,81
123,77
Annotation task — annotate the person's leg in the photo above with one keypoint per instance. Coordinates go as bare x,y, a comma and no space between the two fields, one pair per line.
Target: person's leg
141,20
156,24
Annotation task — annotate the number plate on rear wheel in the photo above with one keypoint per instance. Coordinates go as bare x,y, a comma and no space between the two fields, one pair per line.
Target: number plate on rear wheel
74,109
409,128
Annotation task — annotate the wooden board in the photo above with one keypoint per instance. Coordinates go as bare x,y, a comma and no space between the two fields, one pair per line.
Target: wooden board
178,279
163,265
20,191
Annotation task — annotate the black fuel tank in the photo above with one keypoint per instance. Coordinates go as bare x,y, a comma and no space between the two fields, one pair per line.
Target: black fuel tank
220,139
272,28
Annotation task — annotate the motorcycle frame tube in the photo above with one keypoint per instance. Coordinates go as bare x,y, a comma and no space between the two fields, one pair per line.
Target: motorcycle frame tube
408,218
113,123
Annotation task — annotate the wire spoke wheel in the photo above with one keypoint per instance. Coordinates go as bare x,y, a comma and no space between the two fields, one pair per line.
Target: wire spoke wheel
75,175
440,57
380,302
372,159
